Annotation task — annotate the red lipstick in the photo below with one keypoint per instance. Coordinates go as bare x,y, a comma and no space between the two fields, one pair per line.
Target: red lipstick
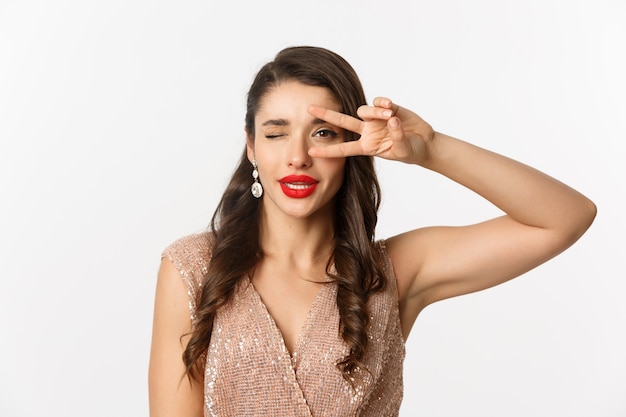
298,186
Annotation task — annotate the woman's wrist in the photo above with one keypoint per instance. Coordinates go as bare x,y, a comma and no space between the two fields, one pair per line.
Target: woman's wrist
430,150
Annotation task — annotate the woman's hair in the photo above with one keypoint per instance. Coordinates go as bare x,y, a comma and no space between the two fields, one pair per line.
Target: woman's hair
235,223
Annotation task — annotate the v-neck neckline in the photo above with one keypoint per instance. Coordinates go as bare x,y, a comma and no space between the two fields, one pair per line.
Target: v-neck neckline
319,297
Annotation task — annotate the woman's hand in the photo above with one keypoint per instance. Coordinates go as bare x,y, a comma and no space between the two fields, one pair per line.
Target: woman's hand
387,130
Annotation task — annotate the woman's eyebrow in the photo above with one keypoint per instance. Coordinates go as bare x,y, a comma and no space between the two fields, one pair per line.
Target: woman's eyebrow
276,122
284,122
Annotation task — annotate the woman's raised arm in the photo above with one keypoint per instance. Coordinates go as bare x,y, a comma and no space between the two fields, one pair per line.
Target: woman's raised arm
542,216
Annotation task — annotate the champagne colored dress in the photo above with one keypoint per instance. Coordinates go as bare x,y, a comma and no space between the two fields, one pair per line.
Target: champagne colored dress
250,372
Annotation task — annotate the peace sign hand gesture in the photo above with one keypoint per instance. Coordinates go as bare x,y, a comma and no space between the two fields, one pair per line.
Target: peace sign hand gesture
387,130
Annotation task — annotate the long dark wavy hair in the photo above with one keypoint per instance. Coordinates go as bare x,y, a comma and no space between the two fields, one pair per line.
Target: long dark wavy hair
235,223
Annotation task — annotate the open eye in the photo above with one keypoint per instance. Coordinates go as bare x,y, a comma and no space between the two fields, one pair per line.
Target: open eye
326,133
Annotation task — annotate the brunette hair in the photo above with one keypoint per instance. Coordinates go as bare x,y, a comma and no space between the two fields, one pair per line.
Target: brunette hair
235,223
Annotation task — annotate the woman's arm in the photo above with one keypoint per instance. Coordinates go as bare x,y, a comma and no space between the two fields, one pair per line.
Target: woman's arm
542,216
171,393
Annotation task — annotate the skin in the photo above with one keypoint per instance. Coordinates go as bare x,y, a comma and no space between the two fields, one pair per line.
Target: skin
542,218
296,233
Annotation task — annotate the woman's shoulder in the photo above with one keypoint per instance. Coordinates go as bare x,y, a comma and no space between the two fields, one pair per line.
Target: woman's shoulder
380,246
191,255
196,246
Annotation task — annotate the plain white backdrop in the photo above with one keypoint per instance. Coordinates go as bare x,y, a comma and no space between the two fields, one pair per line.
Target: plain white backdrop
121,121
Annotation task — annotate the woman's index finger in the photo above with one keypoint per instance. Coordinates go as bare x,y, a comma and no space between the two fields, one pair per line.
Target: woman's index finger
339,150
335,118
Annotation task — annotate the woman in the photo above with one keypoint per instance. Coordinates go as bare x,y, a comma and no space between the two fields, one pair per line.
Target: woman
287,305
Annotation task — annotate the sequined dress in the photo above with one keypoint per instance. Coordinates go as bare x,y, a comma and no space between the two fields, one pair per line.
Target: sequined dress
250,372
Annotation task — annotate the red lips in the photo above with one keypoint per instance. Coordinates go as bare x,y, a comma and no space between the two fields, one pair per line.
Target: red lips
298,186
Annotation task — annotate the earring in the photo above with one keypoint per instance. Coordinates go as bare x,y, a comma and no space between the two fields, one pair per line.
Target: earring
257,188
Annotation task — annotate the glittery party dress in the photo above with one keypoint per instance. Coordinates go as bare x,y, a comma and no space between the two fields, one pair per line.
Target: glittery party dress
250,372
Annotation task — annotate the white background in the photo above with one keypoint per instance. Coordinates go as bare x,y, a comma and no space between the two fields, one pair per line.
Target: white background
121,121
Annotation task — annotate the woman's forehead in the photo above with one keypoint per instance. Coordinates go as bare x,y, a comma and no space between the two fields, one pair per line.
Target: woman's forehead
293,97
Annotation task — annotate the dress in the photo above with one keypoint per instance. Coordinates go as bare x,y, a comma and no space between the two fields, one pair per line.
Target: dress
250,372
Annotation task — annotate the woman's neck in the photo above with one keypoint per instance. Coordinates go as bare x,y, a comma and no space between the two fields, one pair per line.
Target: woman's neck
301,242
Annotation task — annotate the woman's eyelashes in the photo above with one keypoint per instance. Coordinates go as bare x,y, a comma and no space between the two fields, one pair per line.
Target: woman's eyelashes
273,135
325,133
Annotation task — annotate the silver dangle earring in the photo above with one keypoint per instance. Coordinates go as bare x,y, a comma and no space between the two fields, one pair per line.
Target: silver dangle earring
257,188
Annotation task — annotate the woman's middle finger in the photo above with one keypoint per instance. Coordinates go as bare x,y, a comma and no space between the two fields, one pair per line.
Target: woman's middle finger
369,113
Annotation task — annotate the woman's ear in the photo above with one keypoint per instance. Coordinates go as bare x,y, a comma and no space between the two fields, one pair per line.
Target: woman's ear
249,146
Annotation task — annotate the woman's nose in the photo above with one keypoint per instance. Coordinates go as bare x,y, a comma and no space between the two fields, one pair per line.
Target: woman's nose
298,152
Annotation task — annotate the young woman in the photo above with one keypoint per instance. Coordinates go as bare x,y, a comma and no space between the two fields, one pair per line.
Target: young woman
287,305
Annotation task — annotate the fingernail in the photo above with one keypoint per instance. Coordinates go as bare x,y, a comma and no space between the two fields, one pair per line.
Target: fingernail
394,122
388,113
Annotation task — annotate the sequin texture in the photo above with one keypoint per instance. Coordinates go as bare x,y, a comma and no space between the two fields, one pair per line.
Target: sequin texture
249,370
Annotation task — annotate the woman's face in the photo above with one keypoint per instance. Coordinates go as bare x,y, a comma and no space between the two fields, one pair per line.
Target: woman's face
294,183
